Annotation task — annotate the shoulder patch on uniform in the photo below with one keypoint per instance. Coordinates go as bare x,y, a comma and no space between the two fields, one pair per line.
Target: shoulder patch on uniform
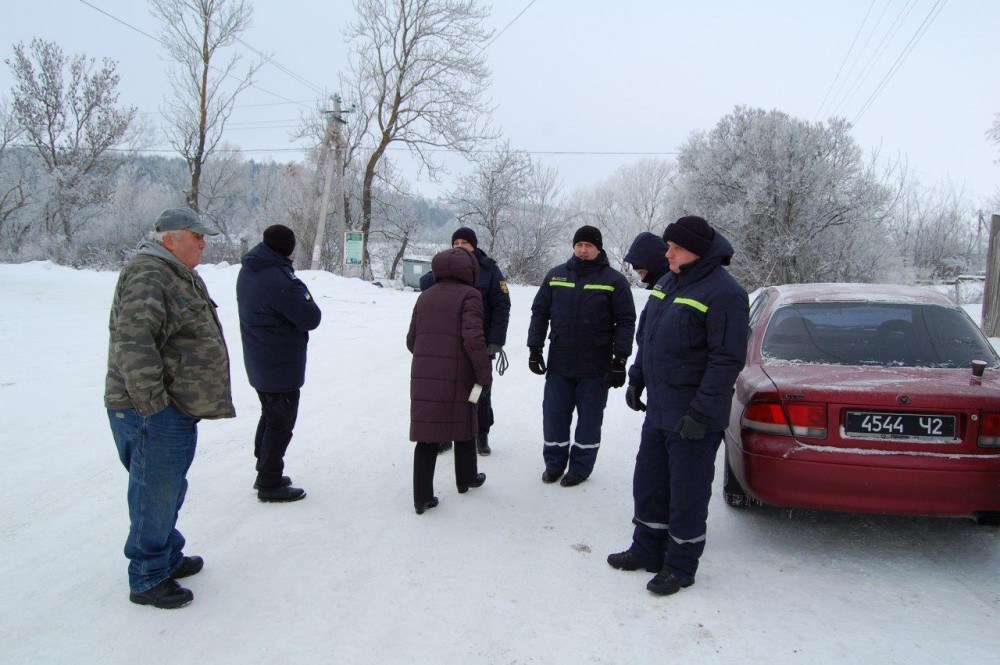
308,296
503,286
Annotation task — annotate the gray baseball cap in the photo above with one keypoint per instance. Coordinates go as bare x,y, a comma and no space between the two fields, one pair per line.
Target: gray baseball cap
179,219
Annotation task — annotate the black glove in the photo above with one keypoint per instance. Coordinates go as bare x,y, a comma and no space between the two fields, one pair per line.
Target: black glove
536,363
689,428
633,397
616,374
493,349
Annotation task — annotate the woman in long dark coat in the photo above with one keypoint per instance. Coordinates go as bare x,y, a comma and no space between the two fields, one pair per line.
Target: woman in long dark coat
449,360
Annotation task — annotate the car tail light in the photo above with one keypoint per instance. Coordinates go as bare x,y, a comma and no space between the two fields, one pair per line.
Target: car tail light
989,432
805,420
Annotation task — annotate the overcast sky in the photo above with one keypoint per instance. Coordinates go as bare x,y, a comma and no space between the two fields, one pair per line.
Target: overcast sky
637,76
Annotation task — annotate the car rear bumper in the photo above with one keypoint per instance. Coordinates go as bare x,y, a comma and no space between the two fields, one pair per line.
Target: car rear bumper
804,477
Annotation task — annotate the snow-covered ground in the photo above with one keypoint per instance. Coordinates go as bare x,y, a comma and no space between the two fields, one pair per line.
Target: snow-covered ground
513,572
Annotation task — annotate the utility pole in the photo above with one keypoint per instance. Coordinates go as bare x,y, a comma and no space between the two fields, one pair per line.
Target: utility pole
334,169
991,296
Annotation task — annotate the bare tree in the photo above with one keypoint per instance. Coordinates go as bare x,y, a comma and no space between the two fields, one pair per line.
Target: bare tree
536,233
194,32
494,193
13,193
419,75
67,109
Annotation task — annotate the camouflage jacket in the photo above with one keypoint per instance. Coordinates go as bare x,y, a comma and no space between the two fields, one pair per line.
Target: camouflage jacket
166,343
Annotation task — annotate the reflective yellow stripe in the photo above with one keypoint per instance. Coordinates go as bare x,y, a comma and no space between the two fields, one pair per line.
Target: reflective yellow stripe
598,287
657,294
693,303
569,284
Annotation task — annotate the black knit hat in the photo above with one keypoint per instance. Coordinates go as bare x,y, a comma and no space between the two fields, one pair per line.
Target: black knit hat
280,238
589,234
467,234
692,233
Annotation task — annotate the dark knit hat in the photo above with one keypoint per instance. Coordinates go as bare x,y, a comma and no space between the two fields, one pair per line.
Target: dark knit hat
467,234
280,238
692,233
589,234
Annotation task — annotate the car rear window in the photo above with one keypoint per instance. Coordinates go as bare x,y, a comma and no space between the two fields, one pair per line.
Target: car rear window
902,335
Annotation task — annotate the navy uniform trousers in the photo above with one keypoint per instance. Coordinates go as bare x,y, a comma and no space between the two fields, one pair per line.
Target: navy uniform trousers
563,394
671,488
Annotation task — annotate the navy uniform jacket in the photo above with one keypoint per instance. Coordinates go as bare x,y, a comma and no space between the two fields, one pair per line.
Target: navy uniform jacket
496,297
693,341
276,313
592,315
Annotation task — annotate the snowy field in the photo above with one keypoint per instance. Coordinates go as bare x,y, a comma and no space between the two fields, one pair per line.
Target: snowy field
510,573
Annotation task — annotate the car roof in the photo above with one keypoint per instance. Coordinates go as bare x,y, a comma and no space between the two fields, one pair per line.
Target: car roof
844,292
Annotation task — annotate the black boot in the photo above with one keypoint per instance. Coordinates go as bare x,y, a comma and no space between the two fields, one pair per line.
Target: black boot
550,477
284,482
421,506
483,444
190,565
666,583
166,595
476,482
628,561
571,480
280,494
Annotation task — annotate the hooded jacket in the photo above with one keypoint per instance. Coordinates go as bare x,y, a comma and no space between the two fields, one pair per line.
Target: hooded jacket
449,352
649,252
496,297
276,314
692,342
165,341
592,315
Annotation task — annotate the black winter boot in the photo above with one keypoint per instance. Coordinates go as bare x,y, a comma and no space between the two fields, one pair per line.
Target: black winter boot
476,482
284,482
166,595
628,561
190,565
483,444
421,506
666,583
571,480
281,494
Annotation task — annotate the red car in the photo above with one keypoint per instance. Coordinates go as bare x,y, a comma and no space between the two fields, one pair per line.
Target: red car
865,398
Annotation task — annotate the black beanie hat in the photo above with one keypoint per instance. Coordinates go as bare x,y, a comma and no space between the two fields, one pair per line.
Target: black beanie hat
589,234
280,238
467,234
692,233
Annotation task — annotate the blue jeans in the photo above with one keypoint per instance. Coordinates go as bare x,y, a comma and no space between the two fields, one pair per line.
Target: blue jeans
157,451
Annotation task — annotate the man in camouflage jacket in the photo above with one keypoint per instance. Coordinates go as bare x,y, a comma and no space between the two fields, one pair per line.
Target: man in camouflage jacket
168,367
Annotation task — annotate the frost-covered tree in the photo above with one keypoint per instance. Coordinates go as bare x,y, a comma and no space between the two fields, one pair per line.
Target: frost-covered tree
539,233
491,195
419,76
68,112
13,190
205,83
936,232
791,195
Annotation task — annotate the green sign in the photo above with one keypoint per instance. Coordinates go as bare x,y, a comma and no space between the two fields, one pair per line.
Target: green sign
353,248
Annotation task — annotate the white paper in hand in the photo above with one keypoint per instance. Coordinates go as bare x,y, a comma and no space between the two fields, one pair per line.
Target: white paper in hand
477,390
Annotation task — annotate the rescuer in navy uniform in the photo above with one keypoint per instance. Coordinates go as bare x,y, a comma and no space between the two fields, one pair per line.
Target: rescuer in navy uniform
692,345
589,307
496,315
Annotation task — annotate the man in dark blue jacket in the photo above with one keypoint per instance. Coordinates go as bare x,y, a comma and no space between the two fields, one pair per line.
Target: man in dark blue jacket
496,315
692,345
648,257
276,314
592,315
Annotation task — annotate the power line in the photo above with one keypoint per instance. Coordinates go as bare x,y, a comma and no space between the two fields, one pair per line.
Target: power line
857,58
497,36
844,61
921,31
162,43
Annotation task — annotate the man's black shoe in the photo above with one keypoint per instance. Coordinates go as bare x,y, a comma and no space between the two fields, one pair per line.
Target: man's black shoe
483,444
444,447
551,476
571,480
284,482
166,595
280,494
628,561
421,506
666,583
476,482
190,565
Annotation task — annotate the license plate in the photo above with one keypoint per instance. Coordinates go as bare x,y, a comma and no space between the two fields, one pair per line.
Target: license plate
900,425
